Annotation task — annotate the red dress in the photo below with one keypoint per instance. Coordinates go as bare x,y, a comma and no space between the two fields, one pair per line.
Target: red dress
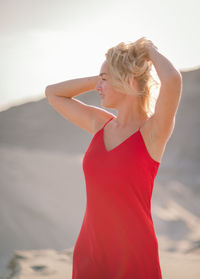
117,238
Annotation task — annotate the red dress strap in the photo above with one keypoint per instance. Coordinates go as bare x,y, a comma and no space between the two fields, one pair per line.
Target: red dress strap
108,121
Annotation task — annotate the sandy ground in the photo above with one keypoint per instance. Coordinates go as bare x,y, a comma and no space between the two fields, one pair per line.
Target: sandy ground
58,265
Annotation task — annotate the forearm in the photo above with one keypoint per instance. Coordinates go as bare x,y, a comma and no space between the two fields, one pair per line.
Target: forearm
163,66
73,87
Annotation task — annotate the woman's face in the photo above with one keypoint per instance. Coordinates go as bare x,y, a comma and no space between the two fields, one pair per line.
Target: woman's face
109,97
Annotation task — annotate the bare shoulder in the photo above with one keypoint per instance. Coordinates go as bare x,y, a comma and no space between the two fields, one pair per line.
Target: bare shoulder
103,117
154,143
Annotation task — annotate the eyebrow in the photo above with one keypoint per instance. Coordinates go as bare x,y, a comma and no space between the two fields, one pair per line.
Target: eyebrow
102,74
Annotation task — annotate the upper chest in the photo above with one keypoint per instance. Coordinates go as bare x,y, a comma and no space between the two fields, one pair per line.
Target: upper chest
113,139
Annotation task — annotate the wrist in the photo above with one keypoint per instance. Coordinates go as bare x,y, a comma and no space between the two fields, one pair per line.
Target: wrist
152,53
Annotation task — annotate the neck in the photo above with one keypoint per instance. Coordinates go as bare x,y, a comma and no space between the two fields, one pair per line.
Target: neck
130,114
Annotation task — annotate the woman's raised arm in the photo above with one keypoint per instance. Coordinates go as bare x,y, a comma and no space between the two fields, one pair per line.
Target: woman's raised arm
163,120
85,116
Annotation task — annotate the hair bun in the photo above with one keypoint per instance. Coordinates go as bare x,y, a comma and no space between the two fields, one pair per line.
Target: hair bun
128,61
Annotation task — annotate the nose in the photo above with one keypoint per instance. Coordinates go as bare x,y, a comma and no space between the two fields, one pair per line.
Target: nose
98,86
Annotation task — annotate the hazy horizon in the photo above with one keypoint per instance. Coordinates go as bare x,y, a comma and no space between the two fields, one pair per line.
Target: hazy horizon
49,42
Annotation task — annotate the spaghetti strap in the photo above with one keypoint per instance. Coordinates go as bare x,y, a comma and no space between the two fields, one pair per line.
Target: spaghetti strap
108,121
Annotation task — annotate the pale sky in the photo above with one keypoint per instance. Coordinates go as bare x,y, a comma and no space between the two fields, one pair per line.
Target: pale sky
45,42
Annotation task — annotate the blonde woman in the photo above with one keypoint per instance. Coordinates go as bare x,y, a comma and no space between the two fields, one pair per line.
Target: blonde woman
117,237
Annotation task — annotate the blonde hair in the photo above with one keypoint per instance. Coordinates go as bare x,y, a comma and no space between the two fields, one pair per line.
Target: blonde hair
130,60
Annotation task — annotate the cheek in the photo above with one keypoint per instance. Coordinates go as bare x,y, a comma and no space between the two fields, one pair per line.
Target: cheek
108,87
105,87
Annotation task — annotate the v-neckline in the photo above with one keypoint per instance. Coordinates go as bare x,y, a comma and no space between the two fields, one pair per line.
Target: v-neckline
119,145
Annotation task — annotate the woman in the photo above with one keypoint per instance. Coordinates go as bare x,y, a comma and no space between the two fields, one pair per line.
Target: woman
117,237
